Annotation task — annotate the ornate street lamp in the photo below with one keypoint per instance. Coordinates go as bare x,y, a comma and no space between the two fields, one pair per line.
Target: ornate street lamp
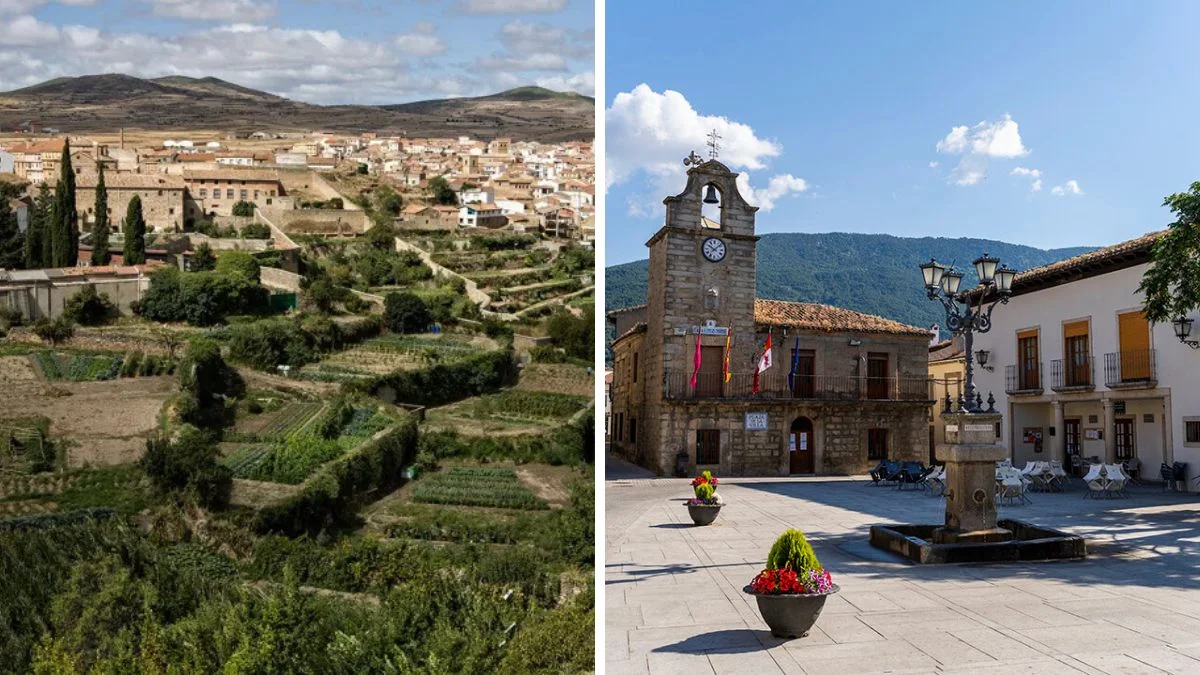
1183,329
964,318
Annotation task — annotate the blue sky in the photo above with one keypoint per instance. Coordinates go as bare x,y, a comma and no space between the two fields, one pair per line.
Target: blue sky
333,51
840,109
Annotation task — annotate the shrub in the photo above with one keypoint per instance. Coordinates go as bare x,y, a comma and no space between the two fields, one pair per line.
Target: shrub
129,367
239,263
187,467
243,208
406,313
267,344
792,550
203,259
704,491
444,383
54,332
256,231
89,308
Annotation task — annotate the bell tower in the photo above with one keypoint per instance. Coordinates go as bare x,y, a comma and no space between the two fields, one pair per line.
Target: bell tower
702,271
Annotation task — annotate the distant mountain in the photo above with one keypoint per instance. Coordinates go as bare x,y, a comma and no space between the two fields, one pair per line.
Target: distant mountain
107,102
872,273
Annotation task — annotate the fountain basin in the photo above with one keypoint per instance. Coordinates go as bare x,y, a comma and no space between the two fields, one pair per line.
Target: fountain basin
930,544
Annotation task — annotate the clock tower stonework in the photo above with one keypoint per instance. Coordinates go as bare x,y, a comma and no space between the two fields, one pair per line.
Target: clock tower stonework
688,288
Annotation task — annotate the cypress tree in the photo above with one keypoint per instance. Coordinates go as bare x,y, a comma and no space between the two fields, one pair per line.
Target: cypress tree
12,245
135,233
37,237
100,255
64,231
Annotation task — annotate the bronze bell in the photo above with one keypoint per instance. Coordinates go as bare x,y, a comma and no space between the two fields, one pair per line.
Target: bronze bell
710,195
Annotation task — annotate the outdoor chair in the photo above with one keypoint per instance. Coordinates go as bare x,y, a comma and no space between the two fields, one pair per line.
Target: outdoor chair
1029,467
935,481
1040,479
1174,476
883,472
1058,475
1011,487
1132,468
910,473
1116,480
1096,482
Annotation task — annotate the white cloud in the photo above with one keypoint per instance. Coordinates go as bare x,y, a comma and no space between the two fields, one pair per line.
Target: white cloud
1035,174
213,10
520,37
512,6
986,140
1070,187
934,165
539,61
649,133
581,83
26,31
421,41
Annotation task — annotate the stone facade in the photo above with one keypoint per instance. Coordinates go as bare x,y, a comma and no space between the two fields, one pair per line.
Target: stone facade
839,409
163,199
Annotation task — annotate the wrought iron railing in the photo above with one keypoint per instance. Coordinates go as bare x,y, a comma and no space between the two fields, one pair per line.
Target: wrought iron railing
1130,368
1073,373
1018,380
678,385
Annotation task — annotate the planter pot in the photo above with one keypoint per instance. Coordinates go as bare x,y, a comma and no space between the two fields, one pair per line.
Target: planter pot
791,615
703,515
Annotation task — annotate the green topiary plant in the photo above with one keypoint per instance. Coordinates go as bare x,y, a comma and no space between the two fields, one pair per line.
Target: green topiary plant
704,491
792,550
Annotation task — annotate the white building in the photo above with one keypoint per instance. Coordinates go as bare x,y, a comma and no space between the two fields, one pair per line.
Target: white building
481,215
1078,372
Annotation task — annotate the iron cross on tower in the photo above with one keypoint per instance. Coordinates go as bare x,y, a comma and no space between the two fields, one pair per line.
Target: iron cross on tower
714,145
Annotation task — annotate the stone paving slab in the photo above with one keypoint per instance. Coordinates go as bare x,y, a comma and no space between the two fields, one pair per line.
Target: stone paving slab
674,599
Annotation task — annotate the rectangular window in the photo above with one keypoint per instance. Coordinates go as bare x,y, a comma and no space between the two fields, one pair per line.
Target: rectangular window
635,366
203,193
171,211
1125,439
877,444
1134,336
229,193
1191,431
243,194
1077,365
804,384
708,446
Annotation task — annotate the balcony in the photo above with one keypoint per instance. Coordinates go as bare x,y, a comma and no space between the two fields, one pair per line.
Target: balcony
1074,374
1023,381
677,386
1130,369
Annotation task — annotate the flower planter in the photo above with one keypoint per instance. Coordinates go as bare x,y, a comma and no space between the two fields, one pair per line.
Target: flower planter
791,615
703,515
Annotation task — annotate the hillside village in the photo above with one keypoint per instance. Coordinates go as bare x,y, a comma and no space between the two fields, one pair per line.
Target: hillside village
263,360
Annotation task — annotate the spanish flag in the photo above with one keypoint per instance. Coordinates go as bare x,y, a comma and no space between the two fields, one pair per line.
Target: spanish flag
696,361
728,342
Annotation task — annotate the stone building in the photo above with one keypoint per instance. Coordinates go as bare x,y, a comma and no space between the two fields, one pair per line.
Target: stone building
215,192
845,389
163,198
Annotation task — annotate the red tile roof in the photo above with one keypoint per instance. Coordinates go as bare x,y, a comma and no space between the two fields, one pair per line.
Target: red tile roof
827,319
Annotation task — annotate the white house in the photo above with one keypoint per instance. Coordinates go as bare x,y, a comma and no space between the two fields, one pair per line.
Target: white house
481,215
1079,372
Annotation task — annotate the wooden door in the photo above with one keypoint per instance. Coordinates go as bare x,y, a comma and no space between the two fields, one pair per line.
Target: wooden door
878,380
1125,439
800,446
805,381
1134,336
708,447
1027,355
711,380
1071,439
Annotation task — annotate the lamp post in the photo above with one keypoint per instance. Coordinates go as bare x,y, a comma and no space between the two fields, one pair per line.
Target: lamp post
963,318
1183,329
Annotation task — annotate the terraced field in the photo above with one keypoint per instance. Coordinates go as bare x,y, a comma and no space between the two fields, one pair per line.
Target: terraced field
477,486
383,355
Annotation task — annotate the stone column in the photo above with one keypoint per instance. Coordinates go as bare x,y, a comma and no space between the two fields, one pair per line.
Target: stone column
1058,444
1110,443
970,453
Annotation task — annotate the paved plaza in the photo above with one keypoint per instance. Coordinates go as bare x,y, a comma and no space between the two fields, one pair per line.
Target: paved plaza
675,603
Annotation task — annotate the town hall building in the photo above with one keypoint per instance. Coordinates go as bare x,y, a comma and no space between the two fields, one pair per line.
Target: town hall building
844,390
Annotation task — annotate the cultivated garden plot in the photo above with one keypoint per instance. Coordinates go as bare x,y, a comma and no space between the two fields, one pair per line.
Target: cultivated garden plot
389,353
512,411
477,486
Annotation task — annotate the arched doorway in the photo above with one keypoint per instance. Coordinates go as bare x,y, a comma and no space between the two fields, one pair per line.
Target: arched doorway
800,446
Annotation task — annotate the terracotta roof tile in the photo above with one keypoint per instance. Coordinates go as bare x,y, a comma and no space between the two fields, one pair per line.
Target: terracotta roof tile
1080,263
826,318
639,327
947,349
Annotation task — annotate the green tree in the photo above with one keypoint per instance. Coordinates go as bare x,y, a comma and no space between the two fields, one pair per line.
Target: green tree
405,313
100,255
441,192
243,208
187,467
12,242
575,335
241,264
387,201
203,258
36,238
135,233
89,308
64,230
1172,282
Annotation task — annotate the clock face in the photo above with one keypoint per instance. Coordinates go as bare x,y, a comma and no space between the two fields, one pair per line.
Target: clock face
714,249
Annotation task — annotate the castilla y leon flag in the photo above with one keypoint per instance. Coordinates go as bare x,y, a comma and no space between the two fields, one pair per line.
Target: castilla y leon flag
728,342
696,361
764,361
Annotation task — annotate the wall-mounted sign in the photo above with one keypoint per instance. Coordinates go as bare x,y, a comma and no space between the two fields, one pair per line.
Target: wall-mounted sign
1092,434
710,330
977,427
756,421
1119,407
952,428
